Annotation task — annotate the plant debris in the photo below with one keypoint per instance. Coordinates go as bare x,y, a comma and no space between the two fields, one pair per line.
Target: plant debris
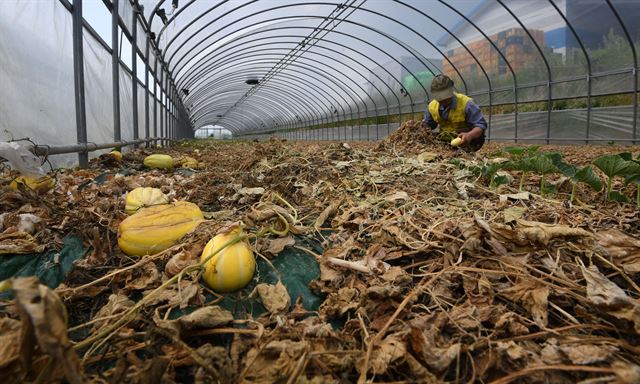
436,266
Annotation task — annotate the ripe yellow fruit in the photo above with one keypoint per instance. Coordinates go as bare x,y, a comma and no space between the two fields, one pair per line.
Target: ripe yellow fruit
159,161
230,269
189,162
116,155
144,197
456,142
41,184
156,228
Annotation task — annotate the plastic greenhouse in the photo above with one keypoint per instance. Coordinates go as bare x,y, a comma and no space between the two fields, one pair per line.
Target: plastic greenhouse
281,191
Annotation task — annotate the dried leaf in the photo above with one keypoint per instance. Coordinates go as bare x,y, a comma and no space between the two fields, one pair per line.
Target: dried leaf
513,214
388,351
624,249
147,277
607,296
178,262
515,196
326,213
18,242
116,305
9,341
532,295
626,373
207,317
44,319
274,297
588,353
278,245
340,302
544,233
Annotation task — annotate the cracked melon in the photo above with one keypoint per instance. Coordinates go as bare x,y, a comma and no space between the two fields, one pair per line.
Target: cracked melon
154,229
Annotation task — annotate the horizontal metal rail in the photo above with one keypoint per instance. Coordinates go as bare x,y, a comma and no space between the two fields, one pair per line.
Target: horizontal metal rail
47,150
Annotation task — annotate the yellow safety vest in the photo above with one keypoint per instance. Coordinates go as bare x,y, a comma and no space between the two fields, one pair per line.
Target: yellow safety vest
456,121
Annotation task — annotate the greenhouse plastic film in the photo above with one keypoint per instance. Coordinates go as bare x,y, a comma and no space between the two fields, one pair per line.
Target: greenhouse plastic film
36,74
98,90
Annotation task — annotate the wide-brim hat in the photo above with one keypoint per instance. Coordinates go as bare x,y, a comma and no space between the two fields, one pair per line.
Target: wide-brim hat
443,94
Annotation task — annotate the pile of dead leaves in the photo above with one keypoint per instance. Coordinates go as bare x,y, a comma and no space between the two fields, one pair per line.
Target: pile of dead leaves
427,275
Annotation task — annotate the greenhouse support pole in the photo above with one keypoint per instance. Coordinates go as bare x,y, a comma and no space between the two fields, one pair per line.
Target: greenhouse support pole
635,70
134,68
160,104
166,102
155,96
115,67
146,90
78,82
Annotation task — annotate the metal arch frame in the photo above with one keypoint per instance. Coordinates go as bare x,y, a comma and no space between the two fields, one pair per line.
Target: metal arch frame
340,91
331,79
635,67
255,111
226,13
513,73
286,83
546,63
199,68
236,57
357,38
277,119
400,43
308,111
211,85
589,71
318,71
335,102
197,77
315,78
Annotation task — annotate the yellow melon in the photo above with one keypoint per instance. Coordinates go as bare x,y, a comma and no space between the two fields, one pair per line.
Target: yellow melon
230,269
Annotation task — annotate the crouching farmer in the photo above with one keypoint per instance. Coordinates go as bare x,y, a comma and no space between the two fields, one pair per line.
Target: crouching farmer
455,114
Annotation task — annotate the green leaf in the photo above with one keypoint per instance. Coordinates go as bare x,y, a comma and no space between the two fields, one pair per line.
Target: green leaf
554,156
532,150
612,165
500,180
523,165
587,176
489,170
543,165
617,196
626,156
567,169
515,151
632,179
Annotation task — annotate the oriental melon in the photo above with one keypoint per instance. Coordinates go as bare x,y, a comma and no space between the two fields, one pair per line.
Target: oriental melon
159,161
154,229
230,269
144,197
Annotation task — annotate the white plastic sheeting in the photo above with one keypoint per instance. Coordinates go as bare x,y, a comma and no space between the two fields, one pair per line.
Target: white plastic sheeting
36,74
98,91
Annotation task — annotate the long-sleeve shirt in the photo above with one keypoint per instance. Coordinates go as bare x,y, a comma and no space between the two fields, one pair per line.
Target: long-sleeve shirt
473,115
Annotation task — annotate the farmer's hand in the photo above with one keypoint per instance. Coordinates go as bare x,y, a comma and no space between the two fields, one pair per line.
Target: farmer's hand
473,134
